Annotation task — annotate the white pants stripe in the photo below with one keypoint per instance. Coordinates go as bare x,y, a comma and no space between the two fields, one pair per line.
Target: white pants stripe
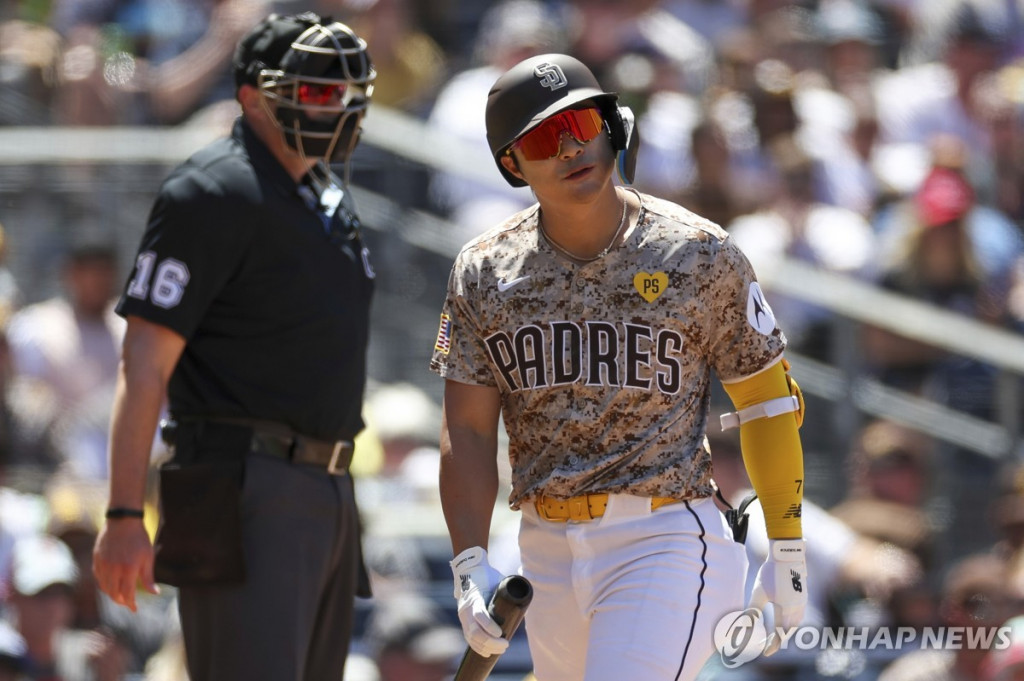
634,594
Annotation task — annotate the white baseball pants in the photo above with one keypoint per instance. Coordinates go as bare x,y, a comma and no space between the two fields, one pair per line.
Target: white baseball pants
634,594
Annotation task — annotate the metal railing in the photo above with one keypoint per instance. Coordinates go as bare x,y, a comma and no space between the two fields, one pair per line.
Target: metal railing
841,382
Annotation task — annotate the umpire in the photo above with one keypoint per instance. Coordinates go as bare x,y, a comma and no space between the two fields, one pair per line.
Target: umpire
248,307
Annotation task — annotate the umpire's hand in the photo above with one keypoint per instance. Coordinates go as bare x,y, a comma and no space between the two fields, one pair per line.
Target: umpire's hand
123,557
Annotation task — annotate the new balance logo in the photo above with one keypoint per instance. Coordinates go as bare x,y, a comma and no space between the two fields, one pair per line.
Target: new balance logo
551,76
506,285
797,584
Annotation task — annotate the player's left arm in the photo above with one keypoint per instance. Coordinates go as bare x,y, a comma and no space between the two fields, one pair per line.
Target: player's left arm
769,413
770,409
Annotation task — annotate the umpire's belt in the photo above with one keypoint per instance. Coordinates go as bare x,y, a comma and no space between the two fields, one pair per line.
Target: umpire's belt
583,507
269,438
334,456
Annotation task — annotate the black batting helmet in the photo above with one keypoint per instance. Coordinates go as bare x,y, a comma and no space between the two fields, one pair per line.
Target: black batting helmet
541,86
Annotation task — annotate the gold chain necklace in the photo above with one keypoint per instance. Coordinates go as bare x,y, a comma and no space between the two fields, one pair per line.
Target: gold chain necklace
573,256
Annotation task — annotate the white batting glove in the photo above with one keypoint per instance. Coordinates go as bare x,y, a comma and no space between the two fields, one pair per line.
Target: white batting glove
475,581
782,582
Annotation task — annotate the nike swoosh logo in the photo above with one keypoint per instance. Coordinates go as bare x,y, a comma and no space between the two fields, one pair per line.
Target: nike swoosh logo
506,285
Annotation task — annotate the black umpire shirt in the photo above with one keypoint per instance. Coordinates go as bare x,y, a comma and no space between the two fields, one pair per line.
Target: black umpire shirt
274,309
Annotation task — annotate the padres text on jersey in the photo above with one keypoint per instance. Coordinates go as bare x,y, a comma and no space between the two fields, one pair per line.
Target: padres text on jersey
656,316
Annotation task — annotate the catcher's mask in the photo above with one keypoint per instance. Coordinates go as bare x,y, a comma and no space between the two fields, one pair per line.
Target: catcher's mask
539,87
321,85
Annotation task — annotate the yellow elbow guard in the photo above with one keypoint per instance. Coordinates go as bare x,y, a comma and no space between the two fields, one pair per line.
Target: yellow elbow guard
770,409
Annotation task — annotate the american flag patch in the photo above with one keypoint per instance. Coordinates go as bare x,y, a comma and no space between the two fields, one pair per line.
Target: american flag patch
444,335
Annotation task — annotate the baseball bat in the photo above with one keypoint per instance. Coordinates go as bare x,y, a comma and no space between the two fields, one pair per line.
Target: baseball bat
507,608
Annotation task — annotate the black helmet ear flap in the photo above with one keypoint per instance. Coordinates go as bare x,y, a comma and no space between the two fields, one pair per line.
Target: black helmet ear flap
627,145
625,137
613,116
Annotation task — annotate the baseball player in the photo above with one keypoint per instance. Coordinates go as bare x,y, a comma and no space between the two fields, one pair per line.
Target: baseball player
591,323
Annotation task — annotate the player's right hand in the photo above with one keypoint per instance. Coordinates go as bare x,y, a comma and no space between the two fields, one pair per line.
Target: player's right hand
123,558
475,581
782,582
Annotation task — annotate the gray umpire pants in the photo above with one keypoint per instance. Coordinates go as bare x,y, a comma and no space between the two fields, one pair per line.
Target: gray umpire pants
292,618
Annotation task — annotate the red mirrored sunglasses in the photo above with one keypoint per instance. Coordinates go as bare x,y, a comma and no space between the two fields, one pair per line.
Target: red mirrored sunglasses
545,140
317,94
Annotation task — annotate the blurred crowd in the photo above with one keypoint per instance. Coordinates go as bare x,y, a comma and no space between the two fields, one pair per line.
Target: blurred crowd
878,139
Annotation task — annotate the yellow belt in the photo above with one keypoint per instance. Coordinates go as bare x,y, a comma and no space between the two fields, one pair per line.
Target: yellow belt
583,507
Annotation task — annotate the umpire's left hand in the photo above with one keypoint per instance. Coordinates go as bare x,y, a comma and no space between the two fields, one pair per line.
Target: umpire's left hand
123,557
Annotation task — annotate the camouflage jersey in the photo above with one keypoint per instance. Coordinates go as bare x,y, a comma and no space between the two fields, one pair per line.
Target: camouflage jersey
604,368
